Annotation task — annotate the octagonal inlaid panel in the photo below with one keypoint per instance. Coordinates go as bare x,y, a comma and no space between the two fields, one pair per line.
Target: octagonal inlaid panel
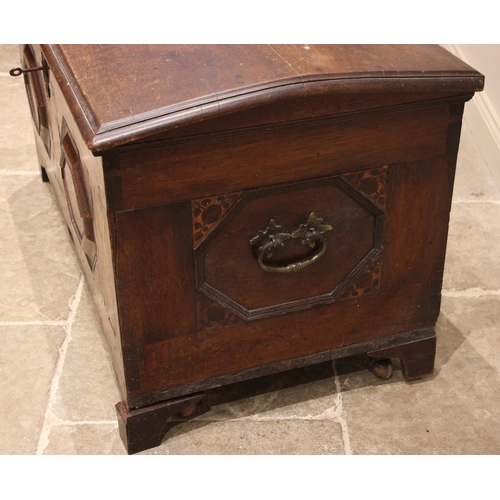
238,283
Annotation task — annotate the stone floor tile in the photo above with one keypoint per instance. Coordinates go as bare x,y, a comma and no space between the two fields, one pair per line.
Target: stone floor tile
473,247
247,437
473,180
301,393
38,271
478,318
87,389
28,358
84,439
17,147
9,57
457,411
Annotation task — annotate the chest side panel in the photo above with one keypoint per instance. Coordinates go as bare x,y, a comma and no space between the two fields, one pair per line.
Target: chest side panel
77,181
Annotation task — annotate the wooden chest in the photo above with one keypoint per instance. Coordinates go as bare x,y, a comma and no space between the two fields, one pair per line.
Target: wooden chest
244,210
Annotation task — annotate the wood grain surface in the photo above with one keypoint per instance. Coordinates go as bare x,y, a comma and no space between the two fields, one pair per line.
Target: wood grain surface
121,93
182,154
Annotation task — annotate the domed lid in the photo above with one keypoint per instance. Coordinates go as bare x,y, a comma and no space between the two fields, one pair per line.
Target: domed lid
123,93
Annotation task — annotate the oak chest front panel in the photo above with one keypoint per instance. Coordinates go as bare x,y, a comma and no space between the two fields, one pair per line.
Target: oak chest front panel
200,306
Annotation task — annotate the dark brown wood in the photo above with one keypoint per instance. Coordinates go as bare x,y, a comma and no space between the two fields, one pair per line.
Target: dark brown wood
417,358
281,366
145,428
180,156
169,349
286,108
351,248
227,163
219,80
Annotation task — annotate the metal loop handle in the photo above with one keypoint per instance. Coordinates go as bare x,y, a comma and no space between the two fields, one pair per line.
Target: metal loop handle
20,71
273,237
295,266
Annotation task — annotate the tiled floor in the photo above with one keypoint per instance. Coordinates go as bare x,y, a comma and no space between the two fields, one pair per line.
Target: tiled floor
56,383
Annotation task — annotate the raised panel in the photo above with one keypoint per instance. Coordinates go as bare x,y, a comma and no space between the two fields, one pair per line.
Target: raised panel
232,271
36,95
77,196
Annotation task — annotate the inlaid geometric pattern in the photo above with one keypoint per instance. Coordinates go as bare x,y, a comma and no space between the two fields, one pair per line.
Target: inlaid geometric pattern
367,282
208,212
211,314
370,183
234,285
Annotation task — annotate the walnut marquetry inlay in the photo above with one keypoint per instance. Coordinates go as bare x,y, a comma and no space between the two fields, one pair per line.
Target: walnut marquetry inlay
370,183
367,282
211,314
373,185
208,212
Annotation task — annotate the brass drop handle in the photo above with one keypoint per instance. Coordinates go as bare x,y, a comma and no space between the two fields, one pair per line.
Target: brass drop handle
312,234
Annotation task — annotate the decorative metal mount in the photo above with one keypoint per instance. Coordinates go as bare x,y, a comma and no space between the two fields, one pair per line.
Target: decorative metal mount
311,233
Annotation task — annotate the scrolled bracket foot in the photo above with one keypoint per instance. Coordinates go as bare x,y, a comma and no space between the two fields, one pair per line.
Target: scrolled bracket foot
144,428
417,358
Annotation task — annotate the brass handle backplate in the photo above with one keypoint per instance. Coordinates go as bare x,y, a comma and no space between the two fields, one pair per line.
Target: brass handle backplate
311,232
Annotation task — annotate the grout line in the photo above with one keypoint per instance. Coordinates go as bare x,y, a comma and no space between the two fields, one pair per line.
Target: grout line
34,323
335,413
19,172
249,418
495,202
50,419
444,314
341,413
87,422
469,292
